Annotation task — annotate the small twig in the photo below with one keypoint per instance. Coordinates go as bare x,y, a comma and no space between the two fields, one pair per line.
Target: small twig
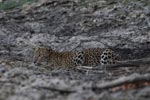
130,63
123,80
9,81
137,61
55,89
88,68
84,67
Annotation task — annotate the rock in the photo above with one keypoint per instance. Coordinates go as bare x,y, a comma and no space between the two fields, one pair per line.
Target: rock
69,25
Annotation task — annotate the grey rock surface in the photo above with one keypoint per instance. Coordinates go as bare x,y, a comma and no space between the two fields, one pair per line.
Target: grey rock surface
66,25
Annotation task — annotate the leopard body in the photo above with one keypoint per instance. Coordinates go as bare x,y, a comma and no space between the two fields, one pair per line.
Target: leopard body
86,57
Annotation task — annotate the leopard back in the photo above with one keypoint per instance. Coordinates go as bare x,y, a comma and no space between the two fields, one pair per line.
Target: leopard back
92,56
68,58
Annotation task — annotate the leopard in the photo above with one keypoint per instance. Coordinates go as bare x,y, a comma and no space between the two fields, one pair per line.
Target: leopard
85,57
56,58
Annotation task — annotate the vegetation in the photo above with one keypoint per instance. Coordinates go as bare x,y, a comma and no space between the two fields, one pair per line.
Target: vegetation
10,4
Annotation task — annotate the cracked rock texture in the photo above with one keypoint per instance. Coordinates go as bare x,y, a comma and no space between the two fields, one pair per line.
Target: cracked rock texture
65,25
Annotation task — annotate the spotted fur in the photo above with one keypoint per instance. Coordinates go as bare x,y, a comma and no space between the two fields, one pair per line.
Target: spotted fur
108,57
86,57
55,58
